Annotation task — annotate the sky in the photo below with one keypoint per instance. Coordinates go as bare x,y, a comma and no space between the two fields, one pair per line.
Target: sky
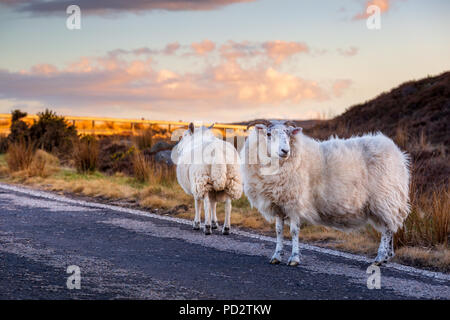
214,60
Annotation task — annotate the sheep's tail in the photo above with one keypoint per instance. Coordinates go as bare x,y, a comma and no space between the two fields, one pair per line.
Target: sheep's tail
218,172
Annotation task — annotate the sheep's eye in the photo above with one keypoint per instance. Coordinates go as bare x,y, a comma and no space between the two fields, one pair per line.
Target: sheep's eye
269,134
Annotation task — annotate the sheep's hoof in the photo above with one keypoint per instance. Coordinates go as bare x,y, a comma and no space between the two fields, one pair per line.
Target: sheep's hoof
275,261
226,231
214,225
196,226
380,260
207,230
294,260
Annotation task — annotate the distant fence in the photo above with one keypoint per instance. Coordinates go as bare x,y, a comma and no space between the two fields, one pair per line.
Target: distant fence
116,126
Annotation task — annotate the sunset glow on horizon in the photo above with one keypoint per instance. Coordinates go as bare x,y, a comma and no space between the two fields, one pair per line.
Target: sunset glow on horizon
219,60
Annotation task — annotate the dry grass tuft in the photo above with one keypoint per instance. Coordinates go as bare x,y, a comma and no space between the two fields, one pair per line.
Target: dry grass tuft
438,258
141,167
85,154
144,139
20,155
43,165
429,221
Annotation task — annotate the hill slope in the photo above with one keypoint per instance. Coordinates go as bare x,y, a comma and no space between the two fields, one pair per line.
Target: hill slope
416,115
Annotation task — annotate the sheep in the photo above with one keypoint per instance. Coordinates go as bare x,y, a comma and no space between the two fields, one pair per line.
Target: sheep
339,183
208,170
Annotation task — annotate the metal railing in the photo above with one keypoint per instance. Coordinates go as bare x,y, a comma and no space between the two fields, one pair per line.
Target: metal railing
110,126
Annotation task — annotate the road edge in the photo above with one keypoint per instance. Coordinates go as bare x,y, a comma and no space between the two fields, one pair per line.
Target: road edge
52,196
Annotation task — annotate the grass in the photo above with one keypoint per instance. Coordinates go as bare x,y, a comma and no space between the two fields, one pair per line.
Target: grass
85,154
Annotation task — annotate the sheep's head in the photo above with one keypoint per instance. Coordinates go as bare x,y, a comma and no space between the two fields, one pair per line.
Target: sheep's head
189,136
277,136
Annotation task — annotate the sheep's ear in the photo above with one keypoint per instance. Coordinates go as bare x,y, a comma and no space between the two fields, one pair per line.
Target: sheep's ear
191,128
260,127
296,130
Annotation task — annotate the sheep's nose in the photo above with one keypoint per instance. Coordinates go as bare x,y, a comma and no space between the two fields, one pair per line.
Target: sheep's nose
284,151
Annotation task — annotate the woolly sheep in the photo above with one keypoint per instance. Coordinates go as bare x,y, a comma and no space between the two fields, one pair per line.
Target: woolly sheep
208,170
339,183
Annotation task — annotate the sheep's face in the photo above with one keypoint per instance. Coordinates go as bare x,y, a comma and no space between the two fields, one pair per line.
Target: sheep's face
190,137
277,139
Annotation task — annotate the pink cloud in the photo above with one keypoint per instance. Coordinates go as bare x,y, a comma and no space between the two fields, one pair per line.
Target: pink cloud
130,80
384,6
44,69
171,48
204,47
340,86
279,50
232,50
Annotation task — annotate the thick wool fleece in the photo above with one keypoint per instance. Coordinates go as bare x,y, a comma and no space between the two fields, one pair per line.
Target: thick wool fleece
340,183
207,164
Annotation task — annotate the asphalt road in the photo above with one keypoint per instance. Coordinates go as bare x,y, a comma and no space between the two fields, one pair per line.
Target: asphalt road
124,253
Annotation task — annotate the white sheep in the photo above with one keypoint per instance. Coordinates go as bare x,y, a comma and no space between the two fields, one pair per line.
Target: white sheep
339,183
208,169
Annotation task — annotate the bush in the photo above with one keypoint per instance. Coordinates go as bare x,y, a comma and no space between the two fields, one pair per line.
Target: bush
19,130
23,157
116,156
53,134
20,155
85,154
4,143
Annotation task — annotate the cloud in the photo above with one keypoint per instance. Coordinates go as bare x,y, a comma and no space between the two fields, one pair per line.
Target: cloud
247,77
279,50
204,47
171,48
232,50
102,7
340,86
350,52
384,6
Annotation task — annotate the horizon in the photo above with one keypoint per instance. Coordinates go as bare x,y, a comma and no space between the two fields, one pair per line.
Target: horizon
287,60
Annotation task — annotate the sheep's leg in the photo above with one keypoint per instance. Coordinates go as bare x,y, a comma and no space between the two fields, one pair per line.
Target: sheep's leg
198,212
385,250
279,224
214,223
294,259
208,206
227,222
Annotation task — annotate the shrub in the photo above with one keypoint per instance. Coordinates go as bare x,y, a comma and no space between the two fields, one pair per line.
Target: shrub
4,142
20,155
19,130
86,154
116,156
53,134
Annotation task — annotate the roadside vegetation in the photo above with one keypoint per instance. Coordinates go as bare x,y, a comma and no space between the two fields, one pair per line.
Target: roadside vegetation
136,172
